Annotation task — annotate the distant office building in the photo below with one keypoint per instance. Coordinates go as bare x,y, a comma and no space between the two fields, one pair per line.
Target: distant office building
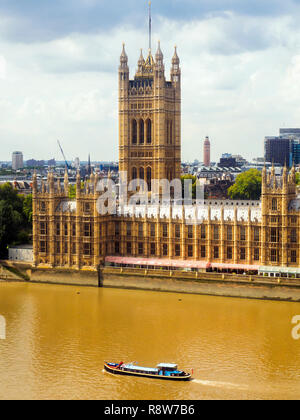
32,163
76,163
290,132
278,150
206,152
228,162
52,162
17,161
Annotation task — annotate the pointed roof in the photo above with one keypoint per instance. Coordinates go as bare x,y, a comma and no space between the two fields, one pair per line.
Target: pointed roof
141,59
159,55
123,57
175,59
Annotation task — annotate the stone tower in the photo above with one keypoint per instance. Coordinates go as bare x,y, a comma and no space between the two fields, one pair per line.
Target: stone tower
150,119
278,193
206,152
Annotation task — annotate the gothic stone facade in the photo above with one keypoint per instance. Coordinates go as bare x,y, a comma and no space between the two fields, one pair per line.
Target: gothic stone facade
71,233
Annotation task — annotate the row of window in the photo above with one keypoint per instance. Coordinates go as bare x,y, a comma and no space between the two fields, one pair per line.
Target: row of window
87,249
65,230
190,231
190,251
274,237
141,132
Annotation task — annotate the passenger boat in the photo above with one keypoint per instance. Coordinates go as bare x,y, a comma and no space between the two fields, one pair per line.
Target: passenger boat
167,371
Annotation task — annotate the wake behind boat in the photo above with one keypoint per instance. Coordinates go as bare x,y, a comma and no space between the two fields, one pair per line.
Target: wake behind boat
167,371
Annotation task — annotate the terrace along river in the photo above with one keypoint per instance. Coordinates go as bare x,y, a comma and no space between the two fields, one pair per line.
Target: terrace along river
57,338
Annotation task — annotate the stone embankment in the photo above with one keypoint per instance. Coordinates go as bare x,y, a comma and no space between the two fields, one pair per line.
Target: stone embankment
231,285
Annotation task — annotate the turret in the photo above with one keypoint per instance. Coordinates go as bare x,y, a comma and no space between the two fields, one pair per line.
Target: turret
285,179
123,68
264,179
141,62
66,182
78,184
159,59
175,69
51,183
34,184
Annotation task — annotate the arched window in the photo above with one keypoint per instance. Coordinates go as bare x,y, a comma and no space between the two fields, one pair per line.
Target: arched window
168,131
134,173
171,132
149,177
149,132
142,173
274,204
142,132
134,132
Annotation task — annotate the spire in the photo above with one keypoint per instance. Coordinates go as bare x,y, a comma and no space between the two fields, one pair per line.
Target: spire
175,70
34,182
51,182
123,62
175,59
89,168
159,55
123,57
66,181
141,62
78,183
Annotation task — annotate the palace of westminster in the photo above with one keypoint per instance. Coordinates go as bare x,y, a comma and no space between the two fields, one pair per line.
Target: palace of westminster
236,235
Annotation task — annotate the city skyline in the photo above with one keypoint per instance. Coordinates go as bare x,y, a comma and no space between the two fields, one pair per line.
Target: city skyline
58,76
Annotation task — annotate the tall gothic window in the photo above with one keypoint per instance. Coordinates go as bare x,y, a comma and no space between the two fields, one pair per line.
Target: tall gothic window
149,132
134,173
274,204
142,173
149,177
142,132
134,132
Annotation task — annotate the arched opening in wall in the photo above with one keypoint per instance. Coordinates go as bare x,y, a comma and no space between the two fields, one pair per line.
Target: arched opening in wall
274,204
142,173
142,132
134,173
134,131
168,131
149,177
149,131
171,132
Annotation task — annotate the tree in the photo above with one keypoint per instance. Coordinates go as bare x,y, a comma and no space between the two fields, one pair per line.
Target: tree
27,208
247,186
15,218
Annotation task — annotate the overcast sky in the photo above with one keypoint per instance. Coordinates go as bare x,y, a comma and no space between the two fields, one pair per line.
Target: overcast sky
59,59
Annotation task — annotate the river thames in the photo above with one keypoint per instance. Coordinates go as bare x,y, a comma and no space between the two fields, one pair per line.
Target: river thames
57,338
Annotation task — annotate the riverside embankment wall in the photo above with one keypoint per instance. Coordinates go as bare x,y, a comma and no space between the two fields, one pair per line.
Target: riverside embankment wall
254,287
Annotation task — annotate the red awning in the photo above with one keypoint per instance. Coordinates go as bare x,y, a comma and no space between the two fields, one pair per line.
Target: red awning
158,262
228,266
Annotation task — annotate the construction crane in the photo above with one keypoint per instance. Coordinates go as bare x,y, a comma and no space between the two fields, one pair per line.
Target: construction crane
62,152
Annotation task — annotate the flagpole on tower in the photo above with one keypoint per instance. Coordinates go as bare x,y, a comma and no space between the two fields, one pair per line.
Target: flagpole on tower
150,25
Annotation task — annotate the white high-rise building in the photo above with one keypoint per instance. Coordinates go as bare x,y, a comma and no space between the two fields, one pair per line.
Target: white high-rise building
17,161
76,163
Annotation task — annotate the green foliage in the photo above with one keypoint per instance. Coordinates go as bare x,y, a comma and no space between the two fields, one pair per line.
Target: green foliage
27,208
193,186
72,192
247,186
297,178
15,218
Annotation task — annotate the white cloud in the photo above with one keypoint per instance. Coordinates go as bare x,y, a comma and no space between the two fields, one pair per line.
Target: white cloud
2,67
240,74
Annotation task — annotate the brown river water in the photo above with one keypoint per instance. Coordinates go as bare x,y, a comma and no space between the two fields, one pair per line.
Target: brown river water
57,338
